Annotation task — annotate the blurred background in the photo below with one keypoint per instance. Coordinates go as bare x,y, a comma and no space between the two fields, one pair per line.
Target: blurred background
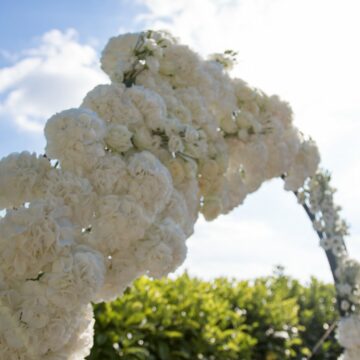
304,50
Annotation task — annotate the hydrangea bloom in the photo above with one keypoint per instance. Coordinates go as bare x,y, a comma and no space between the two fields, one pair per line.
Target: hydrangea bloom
171,137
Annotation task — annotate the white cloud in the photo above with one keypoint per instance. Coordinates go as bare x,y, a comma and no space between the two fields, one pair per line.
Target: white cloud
49,78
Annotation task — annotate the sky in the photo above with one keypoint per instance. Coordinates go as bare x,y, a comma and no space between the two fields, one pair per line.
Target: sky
304,50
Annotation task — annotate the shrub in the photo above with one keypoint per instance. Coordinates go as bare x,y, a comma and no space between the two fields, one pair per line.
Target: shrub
271,318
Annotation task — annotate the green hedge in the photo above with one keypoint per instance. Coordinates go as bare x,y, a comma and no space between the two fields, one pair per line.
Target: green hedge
272,318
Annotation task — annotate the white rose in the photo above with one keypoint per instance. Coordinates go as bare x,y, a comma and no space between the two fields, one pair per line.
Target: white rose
175,144
349,332
118,137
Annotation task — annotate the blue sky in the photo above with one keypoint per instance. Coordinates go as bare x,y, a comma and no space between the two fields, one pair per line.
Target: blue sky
22,21
303,50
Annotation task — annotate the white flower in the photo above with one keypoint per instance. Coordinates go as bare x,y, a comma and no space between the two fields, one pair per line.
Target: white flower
118,137
228,125
21,178
175,144
191,135
62,337
75,138
80,345
163,250
177,169
76,278
351,354
120,220
143,139
57,333
76,193
344,289
226,60
210,169
14,339
153,64
110,176
150,183
113,104
121,270
345,305
34,311
211,208
118,56
349,332
150,104
33,237
178,212
305,165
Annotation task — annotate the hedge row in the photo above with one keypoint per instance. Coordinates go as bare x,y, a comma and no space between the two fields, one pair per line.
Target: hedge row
271,318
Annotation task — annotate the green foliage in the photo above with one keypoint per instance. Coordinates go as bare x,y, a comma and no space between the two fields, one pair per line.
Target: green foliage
272,318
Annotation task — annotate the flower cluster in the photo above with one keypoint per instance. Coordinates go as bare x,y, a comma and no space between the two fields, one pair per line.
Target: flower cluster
317,196
349,336
171,137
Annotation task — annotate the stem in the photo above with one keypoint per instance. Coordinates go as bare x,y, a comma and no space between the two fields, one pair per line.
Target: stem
323,338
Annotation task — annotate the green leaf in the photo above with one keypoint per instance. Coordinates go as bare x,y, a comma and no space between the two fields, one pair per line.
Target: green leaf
172,334
101,339
164,351
135,319
136,351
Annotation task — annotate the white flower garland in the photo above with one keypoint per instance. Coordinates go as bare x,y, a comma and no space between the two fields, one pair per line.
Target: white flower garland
317,198
171,137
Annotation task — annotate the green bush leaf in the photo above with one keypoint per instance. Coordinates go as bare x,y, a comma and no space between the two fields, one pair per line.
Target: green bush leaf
271,318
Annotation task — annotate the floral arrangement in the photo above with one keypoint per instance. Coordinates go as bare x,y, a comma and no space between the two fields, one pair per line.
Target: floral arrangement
316,196
123,180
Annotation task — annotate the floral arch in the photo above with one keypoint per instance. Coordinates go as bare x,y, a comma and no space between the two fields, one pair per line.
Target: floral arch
124,179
